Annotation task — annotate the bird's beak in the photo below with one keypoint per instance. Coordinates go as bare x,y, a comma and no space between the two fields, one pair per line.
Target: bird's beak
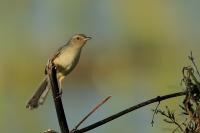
87,38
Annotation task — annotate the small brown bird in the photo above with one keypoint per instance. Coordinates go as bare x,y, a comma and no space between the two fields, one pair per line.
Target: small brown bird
65,60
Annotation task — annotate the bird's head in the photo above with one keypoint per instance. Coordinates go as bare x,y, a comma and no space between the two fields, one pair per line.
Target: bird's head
79,39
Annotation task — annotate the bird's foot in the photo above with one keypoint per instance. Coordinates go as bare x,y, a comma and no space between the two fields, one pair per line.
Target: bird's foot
59,95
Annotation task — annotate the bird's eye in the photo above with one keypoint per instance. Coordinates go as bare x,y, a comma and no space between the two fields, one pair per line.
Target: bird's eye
78,38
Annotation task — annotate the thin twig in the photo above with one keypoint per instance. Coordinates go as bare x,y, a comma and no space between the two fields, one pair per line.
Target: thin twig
91,112
154,112
117,115
193,62
57,99
172,119
178,127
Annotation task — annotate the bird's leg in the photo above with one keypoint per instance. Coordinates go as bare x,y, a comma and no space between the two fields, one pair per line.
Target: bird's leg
60,79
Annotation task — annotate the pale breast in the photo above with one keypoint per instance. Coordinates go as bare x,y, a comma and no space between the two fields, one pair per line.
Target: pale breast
66,58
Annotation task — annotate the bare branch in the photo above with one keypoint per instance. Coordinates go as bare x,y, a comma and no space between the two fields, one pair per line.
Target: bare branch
117,115
57,99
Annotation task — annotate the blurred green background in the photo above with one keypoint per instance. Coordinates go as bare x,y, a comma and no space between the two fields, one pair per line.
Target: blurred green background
137,52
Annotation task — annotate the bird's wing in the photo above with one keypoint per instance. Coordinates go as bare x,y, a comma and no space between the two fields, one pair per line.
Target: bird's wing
59,51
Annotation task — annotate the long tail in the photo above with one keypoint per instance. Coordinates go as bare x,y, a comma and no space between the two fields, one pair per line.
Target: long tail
39,96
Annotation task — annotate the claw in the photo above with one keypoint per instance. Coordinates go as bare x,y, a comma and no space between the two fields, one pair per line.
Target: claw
59,95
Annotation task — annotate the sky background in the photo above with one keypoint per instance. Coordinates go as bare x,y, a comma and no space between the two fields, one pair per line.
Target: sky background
137,52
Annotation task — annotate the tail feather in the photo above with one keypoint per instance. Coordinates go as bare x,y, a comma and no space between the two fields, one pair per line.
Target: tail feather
39,96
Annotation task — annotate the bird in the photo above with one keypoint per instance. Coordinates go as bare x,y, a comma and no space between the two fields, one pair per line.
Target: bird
65,60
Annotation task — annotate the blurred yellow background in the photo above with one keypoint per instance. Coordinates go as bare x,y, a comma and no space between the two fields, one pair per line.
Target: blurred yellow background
137,52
